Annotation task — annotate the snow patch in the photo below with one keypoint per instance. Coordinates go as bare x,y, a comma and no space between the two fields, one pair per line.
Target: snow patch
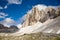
41,7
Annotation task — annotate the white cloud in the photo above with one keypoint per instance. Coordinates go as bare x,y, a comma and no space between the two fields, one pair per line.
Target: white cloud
3,15
11,2
14,1
7,22
1,7
19,26
4,7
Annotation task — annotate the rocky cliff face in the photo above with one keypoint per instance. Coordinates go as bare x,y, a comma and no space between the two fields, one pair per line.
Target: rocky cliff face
35,15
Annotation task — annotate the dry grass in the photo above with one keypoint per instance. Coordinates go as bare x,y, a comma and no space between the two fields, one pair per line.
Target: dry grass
34,36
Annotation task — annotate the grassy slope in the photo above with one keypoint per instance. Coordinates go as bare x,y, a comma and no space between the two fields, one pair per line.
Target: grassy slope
34,36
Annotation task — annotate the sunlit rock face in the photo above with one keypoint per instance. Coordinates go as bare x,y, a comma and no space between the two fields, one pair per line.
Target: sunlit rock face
37,14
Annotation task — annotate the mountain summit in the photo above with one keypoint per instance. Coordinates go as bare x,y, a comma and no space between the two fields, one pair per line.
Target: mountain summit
40,13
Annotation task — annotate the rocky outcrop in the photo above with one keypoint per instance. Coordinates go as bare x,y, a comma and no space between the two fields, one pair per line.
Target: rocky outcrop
35,15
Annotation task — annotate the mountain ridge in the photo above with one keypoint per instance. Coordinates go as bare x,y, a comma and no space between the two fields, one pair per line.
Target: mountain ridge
41,15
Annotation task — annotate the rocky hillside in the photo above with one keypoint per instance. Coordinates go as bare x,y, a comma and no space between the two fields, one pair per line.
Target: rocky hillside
37,14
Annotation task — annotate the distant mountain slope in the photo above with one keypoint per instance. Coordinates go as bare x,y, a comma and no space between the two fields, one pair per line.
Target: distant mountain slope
5,29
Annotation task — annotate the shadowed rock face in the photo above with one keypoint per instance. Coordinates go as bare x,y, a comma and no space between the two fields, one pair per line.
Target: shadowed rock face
37,15
14,27
53,13
1,26
58,11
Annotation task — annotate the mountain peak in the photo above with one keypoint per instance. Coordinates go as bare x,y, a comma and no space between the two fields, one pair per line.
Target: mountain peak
40,7
41,13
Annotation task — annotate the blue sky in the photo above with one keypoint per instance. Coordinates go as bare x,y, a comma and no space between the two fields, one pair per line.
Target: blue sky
17,9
